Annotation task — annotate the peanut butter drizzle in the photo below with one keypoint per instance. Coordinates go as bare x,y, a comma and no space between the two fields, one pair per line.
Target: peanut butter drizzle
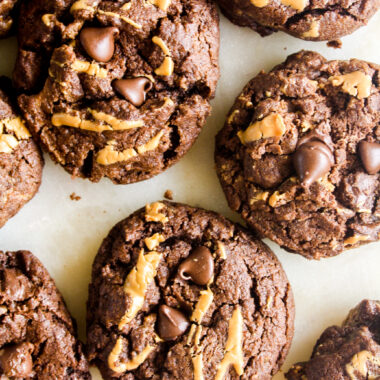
167,67
260,3
79,5
233,350
313,31
92,69
359,364
356,83
203,304
109,156
162,4
298,5
154,241
9,142
271,126
153,214
137,282
121,17
137,359
113,124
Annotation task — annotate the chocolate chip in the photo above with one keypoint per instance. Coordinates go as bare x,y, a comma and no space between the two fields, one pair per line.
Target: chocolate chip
312,161
14,285
171,323
198,267
134,89
370,155
315,135
99,43
16,360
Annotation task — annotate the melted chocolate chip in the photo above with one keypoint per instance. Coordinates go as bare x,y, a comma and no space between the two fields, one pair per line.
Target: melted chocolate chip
171,323
370,155
99,43
134,89
315,135
16,360
312,161
198,267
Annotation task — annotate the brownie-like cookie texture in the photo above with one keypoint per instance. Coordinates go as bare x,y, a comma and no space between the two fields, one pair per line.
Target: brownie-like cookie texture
21,162
349,352
117,89
37,334
7,8
309,20
182,293
299,155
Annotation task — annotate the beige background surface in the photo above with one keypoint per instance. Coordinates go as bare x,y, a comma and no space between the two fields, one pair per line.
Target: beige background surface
66,234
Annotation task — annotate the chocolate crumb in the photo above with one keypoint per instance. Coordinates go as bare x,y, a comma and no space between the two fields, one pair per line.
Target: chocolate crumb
168,195
336,44
75,197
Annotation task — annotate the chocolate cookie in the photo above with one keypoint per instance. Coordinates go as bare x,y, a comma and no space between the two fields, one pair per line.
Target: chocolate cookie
182,293
21,162
117,89
298,157
350,352
6,16
315,21
37,335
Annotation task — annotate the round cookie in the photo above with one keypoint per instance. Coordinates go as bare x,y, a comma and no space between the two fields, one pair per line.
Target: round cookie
348,352
117,89
6,16
314,21
181,293
21,162
298,156
37,334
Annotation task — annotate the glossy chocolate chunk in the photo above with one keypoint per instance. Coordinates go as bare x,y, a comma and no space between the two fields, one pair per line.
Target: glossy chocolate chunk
99,43
312,161
370,155
134,89
171,323
16,360
198,267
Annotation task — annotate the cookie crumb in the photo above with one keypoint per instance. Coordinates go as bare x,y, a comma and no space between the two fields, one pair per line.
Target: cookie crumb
168,195
336,44
75,197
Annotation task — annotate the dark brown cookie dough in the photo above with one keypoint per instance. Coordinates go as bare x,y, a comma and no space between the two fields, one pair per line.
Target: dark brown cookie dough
350,352
37,335
117,89
182,293
309,20
21,162
7,8
299,154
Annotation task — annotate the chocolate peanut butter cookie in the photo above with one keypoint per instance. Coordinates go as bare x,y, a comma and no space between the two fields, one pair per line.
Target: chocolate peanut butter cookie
6,16
20,159
182,293
309,20
350,352
37,335
119,89
299,155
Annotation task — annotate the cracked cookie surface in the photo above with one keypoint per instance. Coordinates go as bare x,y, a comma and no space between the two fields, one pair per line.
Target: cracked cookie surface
21,162
299,158
309,20
349,352
117,89
37,334
182,293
